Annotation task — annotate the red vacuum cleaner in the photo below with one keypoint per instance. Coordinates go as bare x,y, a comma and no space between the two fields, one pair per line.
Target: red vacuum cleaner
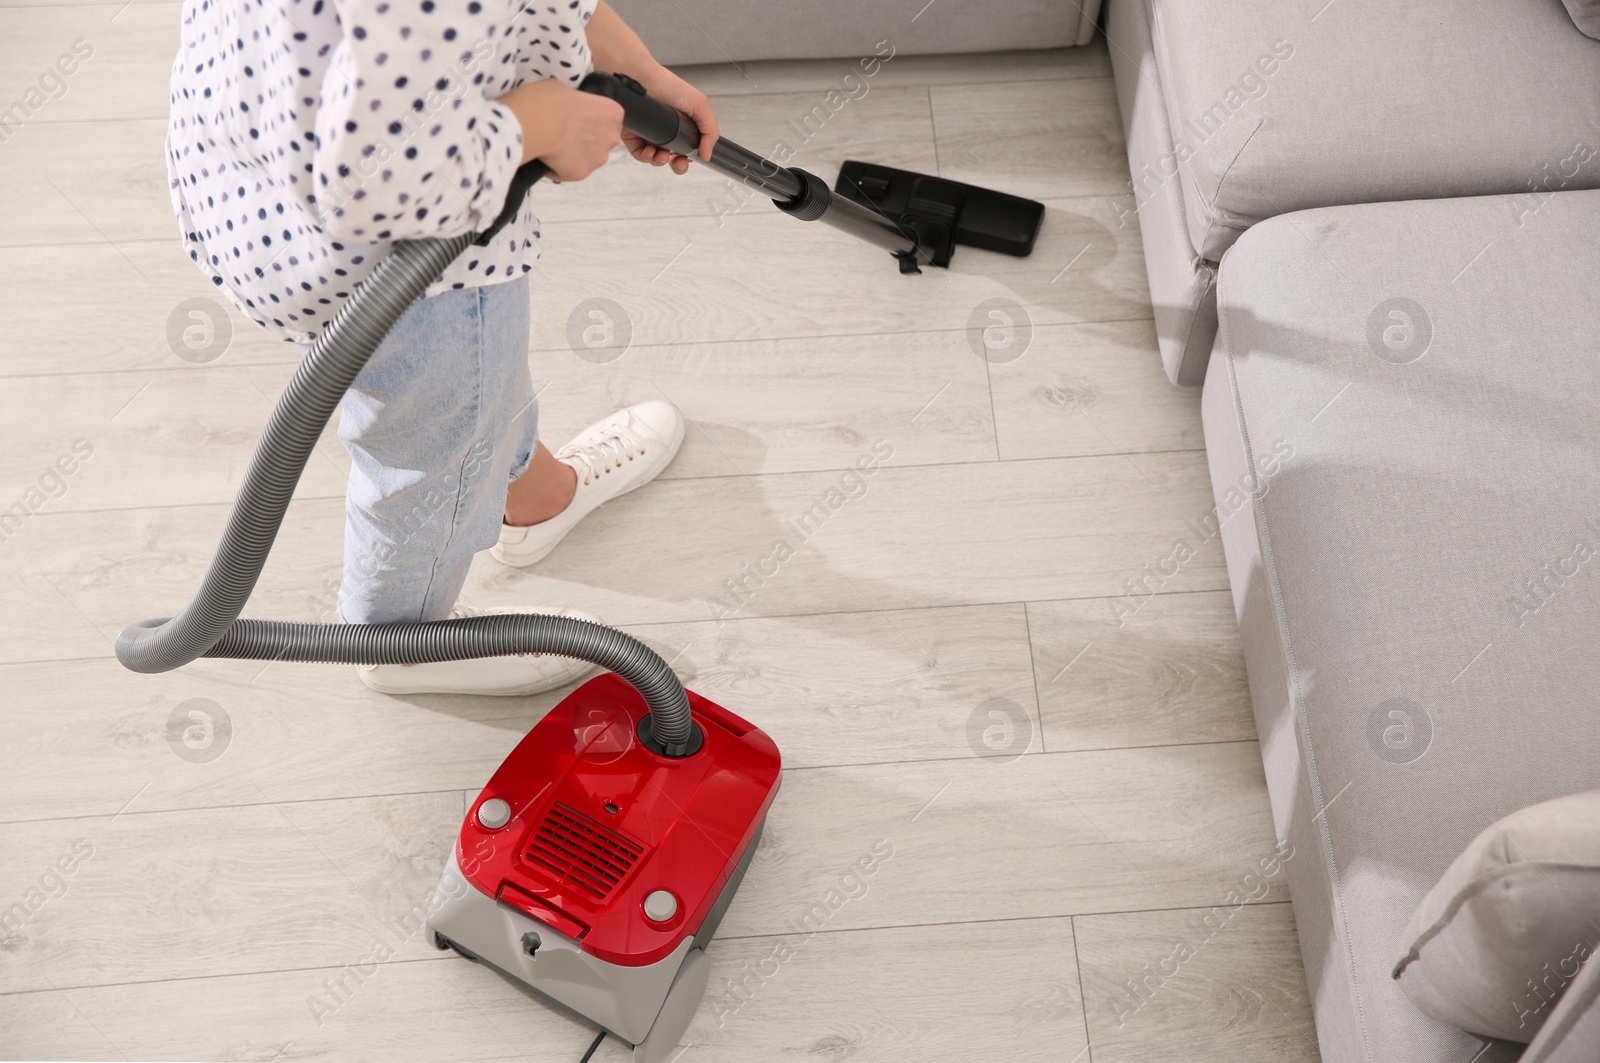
598,862
595,869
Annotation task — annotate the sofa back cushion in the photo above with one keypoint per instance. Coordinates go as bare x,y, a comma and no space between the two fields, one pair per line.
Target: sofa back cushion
1510,922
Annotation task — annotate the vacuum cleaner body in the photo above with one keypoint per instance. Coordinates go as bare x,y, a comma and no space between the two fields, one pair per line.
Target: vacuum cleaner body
594,870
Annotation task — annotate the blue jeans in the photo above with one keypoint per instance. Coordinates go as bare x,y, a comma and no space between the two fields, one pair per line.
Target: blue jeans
438,424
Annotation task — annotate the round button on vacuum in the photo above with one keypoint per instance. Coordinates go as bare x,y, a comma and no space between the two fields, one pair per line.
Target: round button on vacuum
494,813
660,906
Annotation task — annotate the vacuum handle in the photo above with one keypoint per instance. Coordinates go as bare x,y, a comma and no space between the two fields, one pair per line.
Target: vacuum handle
659,123
665,126
650,119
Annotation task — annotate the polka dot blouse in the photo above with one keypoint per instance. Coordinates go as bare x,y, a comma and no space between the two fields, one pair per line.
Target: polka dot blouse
307,136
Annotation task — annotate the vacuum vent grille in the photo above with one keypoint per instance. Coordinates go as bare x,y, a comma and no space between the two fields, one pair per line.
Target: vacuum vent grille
586,854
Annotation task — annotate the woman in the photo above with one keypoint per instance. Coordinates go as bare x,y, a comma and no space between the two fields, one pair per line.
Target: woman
306,137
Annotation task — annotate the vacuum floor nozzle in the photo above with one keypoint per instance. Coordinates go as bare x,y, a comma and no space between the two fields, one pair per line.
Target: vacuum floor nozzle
944,213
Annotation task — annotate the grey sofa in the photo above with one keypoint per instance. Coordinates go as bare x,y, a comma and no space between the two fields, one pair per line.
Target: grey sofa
1421,639
1408,379
721,31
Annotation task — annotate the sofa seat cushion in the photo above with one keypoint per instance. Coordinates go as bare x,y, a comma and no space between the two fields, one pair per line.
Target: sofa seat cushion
1419,622
1277,107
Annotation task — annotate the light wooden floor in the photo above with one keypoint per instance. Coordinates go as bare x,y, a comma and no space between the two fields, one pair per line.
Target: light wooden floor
1027,895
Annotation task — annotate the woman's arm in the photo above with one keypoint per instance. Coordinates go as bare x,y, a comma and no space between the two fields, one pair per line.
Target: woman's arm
617,49
614,46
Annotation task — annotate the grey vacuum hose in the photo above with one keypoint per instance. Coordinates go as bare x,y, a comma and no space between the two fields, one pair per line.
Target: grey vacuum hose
209,625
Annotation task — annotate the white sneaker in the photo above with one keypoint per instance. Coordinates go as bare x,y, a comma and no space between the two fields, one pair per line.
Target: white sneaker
519,674
611,457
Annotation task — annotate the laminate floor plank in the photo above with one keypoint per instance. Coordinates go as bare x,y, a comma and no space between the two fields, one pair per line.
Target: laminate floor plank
129,47
1210,985
1138,670
1091,389
760,275
1064,138
230,890
893,994
138,305
842,689
766,406
902,999
819,75
908,538
289,884
97,181
396,1009
791,544
95,441
1073,833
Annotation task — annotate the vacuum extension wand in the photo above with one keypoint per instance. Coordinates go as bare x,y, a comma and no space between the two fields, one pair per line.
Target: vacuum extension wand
794,191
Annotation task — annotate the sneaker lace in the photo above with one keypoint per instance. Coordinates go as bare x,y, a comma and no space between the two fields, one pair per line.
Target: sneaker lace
600,456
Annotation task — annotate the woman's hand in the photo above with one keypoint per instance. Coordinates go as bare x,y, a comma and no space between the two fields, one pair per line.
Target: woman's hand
669,88
618,50
569,131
